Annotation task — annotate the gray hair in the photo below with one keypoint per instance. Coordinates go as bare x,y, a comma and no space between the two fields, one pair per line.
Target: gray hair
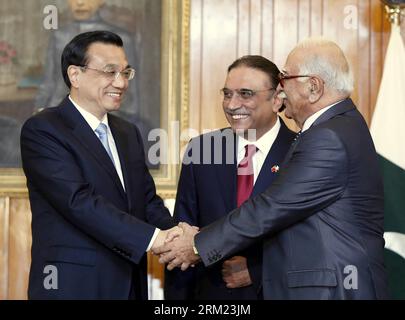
327,60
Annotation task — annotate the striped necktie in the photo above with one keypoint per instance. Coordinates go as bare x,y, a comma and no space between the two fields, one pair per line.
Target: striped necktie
101,131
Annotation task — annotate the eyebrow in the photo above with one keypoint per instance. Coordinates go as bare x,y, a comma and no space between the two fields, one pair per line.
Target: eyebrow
116,65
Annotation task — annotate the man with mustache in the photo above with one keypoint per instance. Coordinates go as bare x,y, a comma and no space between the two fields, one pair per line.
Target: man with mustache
93,201
322,220
227,167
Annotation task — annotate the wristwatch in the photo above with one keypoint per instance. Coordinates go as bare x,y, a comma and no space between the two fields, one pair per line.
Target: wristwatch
195,250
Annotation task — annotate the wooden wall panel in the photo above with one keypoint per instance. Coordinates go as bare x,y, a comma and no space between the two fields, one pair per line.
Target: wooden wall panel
19,248
223,30
4,214
15,247
267,33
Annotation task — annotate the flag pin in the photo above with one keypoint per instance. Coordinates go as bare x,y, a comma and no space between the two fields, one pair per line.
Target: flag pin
275,168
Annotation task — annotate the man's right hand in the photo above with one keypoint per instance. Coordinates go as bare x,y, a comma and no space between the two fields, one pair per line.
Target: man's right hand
163,235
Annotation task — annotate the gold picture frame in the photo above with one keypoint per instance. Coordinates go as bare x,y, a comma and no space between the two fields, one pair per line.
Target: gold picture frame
174,99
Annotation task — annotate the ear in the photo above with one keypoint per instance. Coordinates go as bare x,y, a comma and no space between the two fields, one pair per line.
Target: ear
316,89
73,73
277,102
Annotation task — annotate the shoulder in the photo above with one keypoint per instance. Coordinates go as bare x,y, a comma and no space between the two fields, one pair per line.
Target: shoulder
124,125
215,137
285,134
42,118
211,147
322,139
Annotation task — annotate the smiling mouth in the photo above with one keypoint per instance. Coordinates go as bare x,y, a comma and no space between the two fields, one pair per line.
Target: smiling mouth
239,116
114,94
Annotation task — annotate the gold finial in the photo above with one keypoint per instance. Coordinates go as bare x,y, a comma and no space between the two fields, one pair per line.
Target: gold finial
395,13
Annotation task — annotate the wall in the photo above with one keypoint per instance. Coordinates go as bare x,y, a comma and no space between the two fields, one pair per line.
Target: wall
222,30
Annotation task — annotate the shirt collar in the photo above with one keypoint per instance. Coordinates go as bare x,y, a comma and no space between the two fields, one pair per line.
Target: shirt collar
264,143
91,119
311,119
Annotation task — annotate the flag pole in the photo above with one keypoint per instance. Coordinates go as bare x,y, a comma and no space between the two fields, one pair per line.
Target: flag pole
395,12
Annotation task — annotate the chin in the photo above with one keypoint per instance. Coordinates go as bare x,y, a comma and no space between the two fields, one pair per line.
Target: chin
113,108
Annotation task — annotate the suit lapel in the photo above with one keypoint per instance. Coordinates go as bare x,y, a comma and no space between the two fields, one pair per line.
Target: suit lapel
122,144
274,158
226,174
87,138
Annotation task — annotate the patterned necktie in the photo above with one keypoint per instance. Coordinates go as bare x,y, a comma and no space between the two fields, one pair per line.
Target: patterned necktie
102,135
245,175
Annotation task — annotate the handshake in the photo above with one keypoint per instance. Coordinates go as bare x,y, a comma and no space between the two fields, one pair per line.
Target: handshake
176,246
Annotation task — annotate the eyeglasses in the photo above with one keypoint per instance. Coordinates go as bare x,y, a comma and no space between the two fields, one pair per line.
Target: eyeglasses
127,74
282,77
244,94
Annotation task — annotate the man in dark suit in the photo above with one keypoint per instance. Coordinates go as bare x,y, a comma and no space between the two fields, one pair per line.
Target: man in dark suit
208,190
322,218
93,201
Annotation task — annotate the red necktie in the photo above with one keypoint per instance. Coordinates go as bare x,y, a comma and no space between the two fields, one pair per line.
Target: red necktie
245,175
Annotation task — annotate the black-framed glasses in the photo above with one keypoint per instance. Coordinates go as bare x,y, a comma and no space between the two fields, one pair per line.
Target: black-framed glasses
282,77
244,94
127,74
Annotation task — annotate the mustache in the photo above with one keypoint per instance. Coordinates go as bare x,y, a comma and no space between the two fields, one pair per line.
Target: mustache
238,111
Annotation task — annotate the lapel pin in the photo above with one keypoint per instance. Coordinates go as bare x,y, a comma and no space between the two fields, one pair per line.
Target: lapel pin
275,168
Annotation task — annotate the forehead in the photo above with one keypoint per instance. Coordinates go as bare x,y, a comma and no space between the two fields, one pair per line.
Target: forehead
245,77
104,54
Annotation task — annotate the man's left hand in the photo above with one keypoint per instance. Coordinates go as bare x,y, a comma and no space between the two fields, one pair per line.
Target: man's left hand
235,272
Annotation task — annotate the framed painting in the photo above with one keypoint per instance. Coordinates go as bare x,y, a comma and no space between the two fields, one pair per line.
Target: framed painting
33,34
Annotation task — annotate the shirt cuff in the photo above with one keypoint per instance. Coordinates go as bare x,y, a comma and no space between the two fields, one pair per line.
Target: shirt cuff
155,234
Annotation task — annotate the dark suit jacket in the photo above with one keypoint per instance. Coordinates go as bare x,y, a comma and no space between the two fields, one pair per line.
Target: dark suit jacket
83,222
322,217
207,192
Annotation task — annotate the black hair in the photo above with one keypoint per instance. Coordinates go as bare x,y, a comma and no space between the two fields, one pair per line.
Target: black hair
75,52
259,63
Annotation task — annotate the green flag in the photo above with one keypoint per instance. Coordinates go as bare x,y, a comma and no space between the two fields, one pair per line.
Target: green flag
388,131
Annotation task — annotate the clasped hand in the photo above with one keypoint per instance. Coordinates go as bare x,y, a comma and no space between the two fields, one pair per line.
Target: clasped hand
175,246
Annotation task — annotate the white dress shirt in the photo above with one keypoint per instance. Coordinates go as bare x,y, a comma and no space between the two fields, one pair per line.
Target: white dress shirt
310,120
94,123
263,146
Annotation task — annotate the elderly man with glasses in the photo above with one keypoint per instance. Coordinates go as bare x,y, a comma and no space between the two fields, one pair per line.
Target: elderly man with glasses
322,219
95,212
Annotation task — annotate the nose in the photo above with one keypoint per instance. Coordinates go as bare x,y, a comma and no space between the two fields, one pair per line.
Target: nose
120,81
234,102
